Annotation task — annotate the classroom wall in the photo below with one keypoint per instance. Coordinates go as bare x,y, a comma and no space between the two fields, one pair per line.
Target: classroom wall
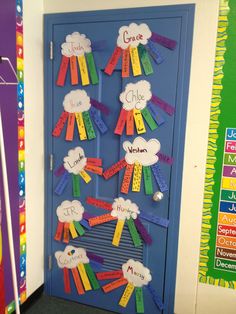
191,297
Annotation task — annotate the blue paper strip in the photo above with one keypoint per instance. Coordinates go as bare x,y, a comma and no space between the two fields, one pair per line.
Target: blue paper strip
98,120
99,45
62,183
85,224
159,178
155,114
96,266
154,52
157,300
163,222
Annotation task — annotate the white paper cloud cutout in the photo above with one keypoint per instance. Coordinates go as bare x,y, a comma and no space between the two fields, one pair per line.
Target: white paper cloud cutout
136,95
136,273
124,209
75,161
76,45
70,211
142,151
76,101
71,257
133,35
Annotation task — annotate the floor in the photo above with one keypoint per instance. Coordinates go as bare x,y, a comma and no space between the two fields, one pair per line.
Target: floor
51,305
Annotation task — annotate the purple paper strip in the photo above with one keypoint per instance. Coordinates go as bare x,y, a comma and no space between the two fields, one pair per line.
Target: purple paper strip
95,258
154,53
159,178
166,159
163,222
229,171
157,300
143,232
155,114
59,171
98,120
87,215
62,183
85,224
100,106
99,45
163,105
164,41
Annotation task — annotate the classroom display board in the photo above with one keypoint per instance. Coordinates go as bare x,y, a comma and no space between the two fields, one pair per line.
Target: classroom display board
218,241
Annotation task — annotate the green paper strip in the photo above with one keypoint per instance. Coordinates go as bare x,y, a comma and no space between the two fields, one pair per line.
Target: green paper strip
79,228
88,125
92,68
92,277
145,60
133,232
76,185
147,174
139,300
149,119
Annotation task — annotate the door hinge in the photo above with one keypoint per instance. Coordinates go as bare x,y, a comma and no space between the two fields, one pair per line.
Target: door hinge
51,50
51,162
50,262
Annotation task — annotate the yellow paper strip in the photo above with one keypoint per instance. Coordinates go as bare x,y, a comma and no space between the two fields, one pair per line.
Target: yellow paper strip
126,295
135,61
83,70
86,177
229,183
73,231
84,277
138,119
80,125
118,232
136,184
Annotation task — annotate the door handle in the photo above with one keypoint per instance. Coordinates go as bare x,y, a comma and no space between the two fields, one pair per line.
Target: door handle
158,196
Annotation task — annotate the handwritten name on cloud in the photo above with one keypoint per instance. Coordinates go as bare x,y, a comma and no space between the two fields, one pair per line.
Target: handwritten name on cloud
76,45
71,257
124,209
75,161
70,211
76,101
136,273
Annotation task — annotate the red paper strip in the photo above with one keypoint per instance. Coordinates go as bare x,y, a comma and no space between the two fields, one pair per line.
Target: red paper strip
114,274
130,123
114,285
125,63
114,169
127,178
70,127
66,277
94,161
101,219
113,61
62,71
163,105
73,70
60,124
98,203
94,169
59,231
121,122
77,281
66,235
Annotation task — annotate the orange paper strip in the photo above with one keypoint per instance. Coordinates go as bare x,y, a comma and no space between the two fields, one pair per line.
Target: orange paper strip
66,280
98,203
114,169
114,285
101,219
70,127
66,236
58,234
113,61
94,161
60,124
121,122
114,274
77,281
125,62
73,71
127,178
94,169
130,123
62,71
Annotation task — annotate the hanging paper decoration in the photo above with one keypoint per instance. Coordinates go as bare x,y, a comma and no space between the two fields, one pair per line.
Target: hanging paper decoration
140,159
135,276
77,51
79,108
71,220
135,43
76,164
138,104
124,211
76,260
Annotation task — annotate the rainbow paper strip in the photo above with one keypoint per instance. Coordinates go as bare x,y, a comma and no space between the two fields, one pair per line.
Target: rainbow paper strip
139,300
126,295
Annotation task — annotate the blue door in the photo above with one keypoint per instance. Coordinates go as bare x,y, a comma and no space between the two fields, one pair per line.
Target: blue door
170,82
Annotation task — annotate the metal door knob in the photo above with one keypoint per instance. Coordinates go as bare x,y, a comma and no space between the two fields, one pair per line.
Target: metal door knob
158,196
